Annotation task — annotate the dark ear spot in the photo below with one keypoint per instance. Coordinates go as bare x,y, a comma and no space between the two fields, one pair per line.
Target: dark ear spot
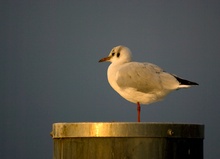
118,54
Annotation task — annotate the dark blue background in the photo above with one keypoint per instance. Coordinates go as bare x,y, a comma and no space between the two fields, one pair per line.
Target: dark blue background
49,54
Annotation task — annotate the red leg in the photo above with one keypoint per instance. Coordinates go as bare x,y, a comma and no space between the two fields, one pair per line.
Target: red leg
139,111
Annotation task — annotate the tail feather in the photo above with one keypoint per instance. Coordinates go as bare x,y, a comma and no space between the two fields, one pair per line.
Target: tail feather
185,83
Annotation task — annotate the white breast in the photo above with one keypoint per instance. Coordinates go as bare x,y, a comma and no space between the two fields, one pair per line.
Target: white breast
129,90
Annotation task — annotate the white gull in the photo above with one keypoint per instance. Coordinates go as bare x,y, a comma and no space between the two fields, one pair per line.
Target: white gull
140,83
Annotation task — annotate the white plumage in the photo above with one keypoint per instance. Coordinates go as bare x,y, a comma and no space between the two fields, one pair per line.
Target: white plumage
141,83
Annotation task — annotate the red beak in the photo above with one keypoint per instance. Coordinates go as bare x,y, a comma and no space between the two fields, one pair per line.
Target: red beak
105,59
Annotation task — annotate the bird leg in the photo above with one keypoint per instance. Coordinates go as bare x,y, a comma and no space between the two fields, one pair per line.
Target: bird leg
139,111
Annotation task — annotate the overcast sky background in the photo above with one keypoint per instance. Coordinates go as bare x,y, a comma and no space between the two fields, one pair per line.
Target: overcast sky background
49,52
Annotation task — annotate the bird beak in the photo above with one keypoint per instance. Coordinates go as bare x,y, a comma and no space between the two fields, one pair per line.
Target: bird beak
105,59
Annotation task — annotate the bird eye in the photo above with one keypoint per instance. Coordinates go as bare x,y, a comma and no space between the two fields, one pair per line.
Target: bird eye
118,54
113,54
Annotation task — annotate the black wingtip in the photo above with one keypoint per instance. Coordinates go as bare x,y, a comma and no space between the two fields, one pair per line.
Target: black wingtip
185,82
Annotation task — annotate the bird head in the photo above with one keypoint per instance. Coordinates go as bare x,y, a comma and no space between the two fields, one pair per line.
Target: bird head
119,54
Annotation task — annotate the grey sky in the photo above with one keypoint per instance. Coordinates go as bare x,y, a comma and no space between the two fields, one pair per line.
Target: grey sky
50,71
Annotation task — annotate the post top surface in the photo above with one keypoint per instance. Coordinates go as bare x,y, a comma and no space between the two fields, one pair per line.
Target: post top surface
127,129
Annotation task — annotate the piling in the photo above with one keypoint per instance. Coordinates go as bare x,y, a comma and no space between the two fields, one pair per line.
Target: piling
127,140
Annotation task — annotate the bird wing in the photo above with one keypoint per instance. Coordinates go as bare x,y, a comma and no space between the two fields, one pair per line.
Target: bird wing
144,77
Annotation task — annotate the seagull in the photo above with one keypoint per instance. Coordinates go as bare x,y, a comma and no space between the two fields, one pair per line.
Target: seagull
140,83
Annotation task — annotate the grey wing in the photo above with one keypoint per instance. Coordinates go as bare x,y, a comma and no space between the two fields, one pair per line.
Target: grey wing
144,77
